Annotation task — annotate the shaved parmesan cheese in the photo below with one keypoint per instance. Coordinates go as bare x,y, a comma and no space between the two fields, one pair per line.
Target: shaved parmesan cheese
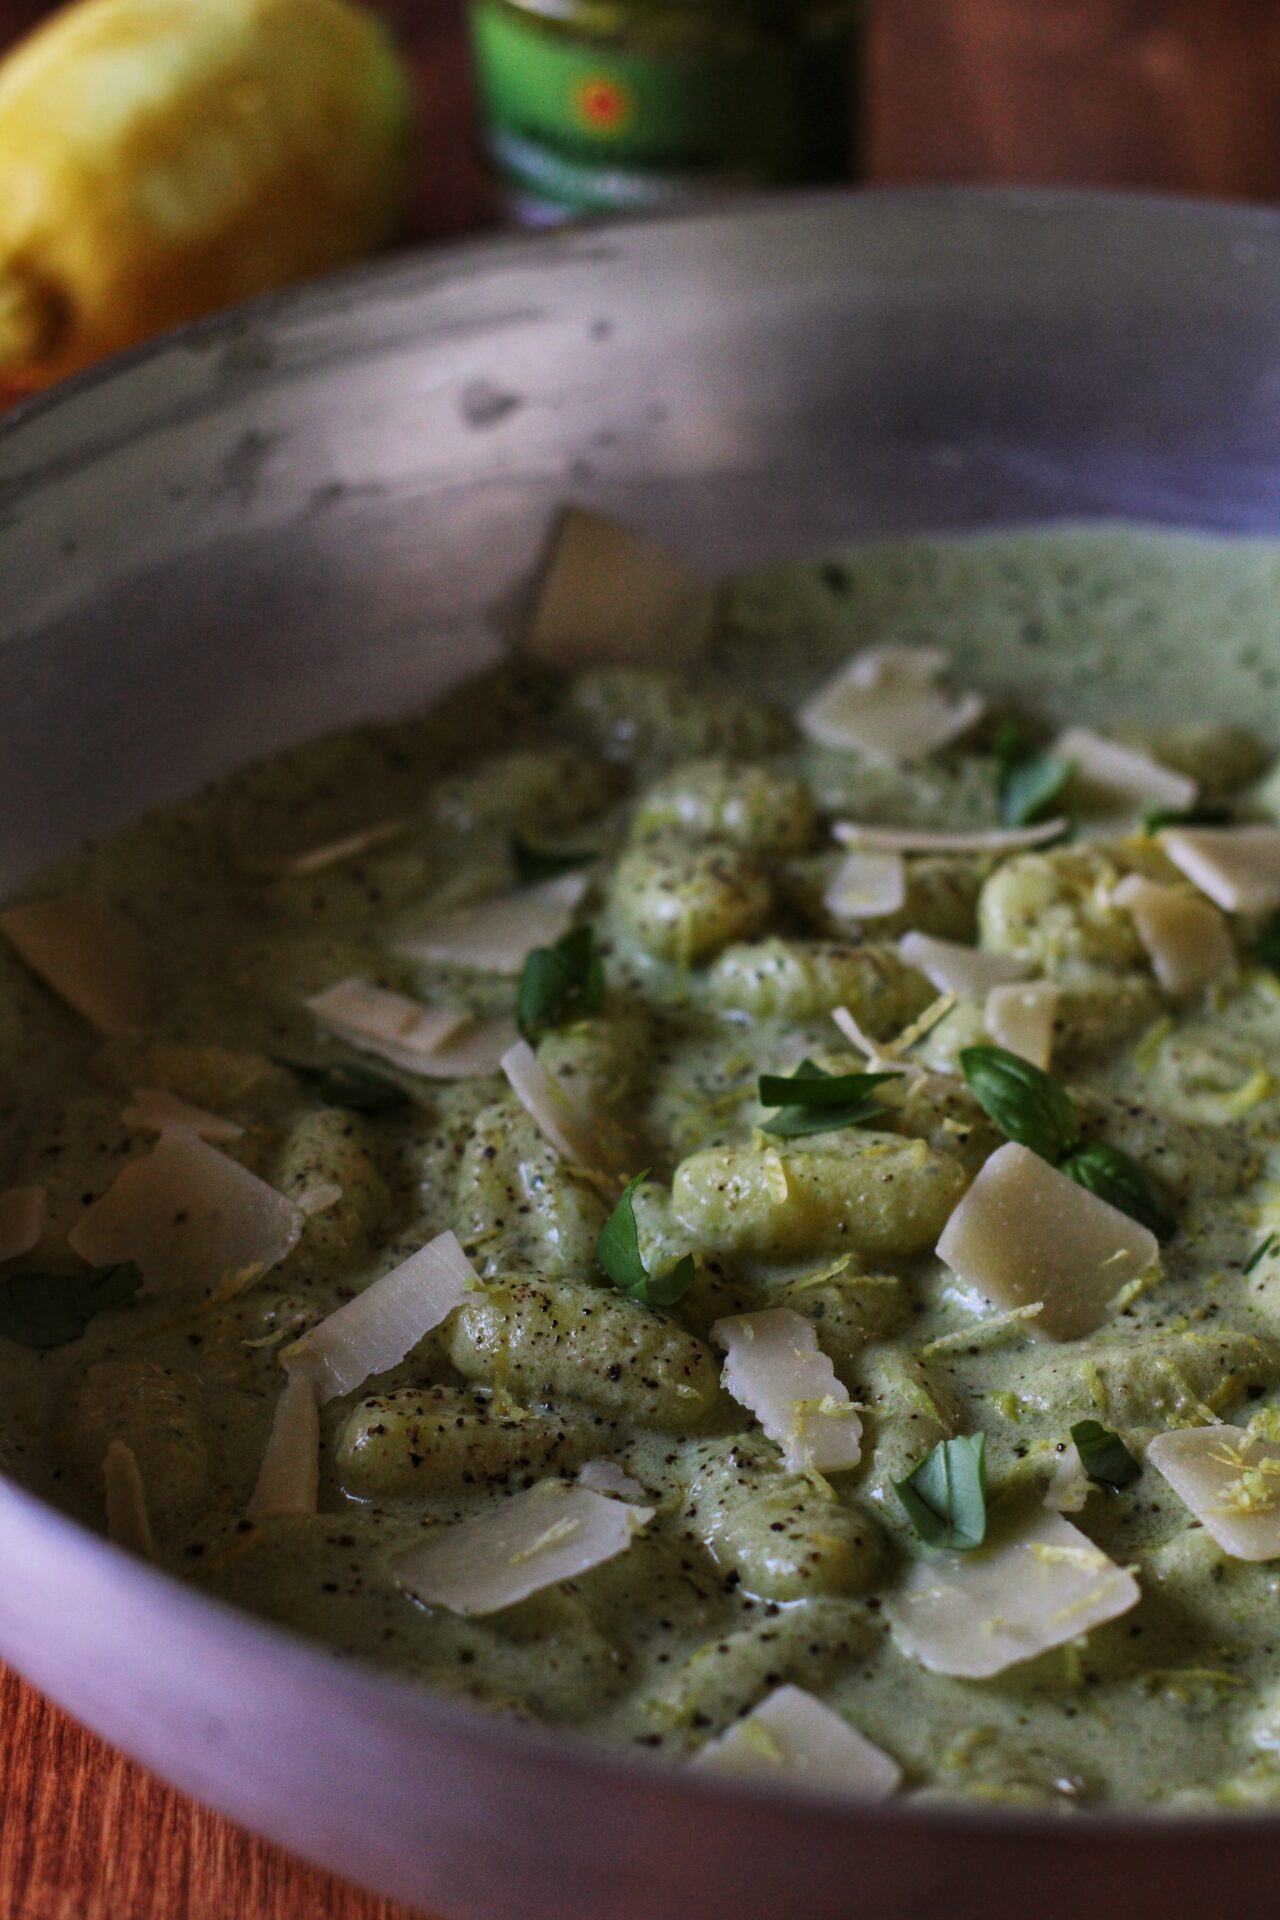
791,1733
289,1477
331,853
886,703
874,1054
955,969
854,833
1238,867
1025,1232
610,594
882,1059
1119,773
318,1199
1230,1479
605,1476
90,955
156,1110
1021,1019
389,1025
1186,938
472,1052
776,1369
974,1614
497,936
1070,1487
866,886
24,1212
554,1532
189,1216
385,1322
579,1135
128,1523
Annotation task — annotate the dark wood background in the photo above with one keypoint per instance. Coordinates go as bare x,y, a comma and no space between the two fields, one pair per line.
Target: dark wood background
1181,94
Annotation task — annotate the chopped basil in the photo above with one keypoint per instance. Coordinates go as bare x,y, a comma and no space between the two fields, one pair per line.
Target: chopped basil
1030,1107
344,1084
533,864
1260,1253
1104,1455
45,1310
1115,1176
560,982
1154,817
945,1496
618,1251
811,1101
1026,1104
1027,783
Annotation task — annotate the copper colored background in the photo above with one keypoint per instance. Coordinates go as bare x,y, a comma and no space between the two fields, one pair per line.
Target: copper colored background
1171,94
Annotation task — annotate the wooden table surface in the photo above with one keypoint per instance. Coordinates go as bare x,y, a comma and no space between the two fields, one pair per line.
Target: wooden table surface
1147,93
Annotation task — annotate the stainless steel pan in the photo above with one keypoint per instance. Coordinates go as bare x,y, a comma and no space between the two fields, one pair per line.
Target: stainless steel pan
310,511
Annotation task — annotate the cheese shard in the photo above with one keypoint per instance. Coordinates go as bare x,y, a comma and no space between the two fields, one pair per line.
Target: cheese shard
128,1523
792,1735
867,886
952,968
289,1477
384,1323
1039,1584
580,1136
1024,1232
1021,1019
606,1476
91,956
1230,1479
887,703
775,1368
189,1216
873,839
1238,867
610,594
497,936
403,1032
554,1532
1122,774
156,1110
1185,937
331,853
1070,1486
24,1213
471,1053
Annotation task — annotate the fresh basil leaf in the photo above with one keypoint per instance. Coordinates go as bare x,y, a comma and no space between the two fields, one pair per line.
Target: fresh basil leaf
811,1101
1266,945
1104,1455
1027,782
44,1310
533,864
1260,1253
560,982
1026,1104
344,1084
1029,789
618,1252
945,1496
1116,1176
1154,817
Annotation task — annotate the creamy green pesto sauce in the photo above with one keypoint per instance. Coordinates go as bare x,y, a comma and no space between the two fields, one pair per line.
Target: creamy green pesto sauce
1169,641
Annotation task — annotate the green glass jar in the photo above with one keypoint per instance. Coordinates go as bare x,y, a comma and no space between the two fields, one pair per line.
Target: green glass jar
615,106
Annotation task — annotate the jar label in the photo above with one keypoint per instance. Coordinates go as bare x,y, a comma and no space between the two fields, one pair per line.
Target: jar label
589,126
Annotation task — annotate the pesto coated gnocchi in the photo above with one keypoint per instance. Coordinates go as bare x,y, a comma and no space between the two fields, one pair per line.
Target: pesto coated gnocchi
651,1186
